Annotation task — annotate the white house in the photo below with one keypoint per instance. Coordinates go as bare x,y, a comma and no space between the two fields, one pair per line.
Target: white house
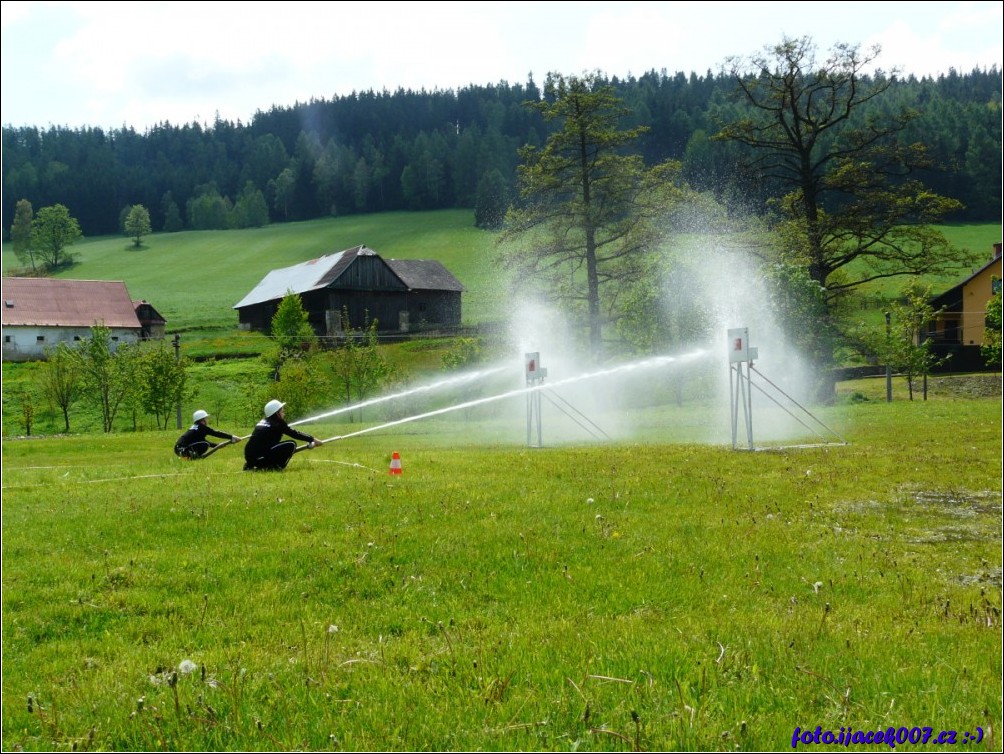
39,313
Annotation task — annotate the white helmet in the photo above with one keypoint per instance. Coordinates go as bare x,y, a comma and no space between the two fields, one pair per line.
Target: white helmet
272,407
199,415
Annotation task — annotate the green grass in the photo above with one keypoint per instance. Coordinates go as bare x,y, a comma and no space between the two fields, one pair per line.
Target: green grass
194,278
657,594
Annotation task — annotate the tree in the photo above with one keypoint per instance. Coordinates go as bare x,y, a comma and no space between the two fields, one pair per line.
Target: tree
250,211
61,380
172,215
52,230
291,332
902,343
851,214
492,200
162,381
283,187
20,233
109,375
991,348
587,209
137,224
359,367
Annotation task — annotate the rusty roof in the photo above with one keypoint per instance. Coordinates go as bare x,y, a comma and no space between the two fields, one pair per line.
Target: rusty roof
50,302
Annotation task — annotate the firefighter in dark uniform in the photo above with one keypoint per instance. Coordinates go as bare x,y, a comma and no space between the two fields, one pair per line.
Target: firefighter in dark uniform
193,444
266,450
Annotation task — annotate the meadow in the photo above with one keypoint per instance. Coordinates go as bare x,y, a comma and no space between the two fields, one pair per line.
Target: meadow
659,593
194,278
653,589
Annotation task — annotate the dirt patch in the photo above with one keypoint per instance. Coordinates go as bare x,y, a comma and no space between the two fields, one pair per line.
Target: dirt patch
966,386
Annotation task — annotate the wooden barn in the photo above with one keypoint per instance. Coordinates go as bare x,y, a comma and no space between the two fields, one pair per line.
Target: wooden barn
401,294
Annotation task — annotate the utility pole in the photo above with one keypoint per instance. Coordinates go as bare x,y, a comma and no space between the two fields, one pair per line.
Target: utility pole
177,357
888,369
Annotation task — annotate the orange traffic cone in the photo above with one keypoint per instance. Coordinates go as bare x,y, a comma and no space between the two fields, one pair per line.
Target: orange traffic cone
395,463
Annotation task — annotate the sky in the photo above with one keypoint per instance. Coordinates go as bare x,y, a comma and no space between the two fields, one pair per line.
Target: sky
139,64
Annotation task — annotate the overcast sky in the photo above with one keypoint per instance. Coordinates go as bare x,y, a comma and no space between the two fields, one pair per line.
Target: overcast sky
115,64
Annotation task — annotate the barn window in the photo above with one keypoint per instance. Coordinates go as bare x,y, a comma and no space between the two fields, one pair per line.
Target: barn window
39,338
8,303
115,338
76,337
6,339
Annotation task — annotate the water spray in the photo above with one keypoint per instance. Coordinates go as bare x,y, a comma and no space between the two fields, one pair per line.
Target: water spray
448,382
536,387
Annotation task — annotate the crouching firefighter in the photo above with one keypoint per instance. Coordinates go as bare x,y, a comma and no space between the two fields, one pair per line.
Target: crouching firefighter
193,444
266,450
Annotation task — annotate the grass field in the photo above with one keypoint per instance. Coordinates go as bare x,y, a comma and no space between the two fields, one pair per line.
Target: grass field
639,595
194,278
651,589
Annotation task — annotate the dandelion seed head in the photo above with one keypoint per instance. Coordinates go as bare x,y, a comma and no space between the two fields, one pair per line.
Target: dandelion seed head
187,666
332,629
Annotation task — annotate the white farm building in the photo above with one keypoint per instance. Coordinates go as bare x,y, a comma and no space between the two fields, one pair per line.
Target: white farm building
40,313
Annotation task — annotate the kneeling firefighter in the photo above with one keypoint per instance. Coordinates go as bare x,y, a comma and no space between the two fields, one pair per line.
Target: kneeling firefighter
193,444
266,450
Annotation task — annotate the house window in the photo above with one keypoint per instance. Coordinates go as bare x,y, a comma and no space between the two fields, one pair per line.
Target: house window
6,339
115,338
39,338
995,285
76,337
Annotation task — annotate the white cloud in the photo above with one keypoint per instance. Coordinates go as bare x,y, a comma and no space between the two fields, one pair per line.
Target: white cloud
109,63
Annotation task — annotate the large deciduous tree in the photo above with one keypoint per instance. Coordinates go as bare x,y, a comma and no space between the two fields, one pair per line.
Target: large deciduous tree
588,211
137,224
52,230
851,213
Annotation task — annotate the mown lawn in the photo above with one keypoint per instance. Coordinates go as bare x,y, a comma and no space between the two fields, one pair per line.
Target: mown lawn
655,593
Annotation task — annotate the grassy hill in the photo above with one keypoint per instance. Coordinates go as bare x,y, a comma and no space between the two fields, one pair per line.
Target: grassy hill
194,278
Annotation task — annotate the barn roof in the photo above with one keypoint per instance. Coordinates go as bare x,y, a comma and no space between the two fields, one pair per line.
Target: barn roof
323,272
49,302
425,275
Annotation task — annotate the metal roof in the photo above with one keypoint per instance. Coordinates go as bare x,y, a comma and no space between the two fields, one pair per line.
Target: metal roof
50,302
314,274
300,278
424,275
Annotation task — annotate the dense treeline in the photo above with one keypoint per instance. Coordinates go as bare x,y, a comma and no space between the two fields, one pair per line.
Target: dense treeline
372,152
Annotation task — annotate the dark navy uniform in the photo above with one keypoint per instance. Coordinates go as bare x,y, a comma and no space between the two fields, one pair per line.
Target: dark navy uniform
193,444
266,449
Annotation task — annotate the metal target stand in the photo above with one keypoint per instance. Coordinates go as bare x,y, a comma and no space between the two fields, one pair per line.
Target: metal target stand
741,370
535,375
